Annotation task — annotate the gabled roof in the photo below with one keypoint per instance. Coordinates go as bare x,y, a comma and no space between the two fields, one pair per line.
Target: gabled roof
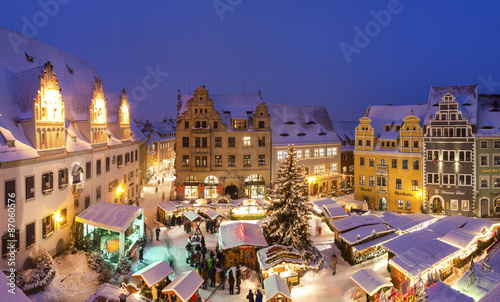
408,241
465,95
352,222
333,211
404,222
276,285
446,224
488,110
393,115
239,234
365,232
237,104
185,285
110,216
154,273
370,281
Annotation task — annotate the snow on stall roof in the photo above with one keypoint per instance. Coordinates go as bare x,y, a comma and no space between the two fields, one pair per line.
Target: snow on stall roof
440,292
276,285
154,273
488,111
333,211
308,120
17,296
383,115
279,254
320,202
421,258
378,241
459,237
464,94
448,223
493,295
110,216
185,285
476,225
364,232
370,281
112,293
404,222
212,214
169,206
407,241
240,233
351,222
193,216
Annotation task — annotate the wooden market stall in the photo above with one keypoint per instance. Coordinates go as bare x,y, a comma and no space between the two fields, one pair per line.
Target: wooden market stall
183,287
249,208
333,212
369,282
216,217
196,219
277,289
153,275
239,242
169,210
110,228
285,261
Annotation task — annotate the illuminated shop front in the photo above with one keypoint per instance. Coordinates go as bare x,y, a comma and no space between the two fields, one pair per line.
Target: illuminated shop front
285,261
110,228
250,207
255,186
191,189
211,187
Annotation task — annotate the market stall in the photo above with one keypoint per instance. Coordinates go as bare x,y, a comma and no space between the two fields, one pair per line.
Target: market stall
333,211
170,211
239,242
111,228
215,217
196,219
183,287
277,289
153,275
249,208
285,261
369,282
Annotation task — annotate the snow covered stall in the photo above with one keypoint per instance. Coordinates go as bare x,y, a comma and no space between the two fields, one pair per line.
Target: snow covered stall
109,227
154,275
240,242
183,288
369,282
277,289
285,261
169,211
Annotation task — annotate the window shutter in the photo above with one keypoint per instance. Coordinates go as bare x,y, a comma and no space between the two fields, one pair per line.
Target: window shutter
30,234
44,180
17,240
60,178
10,187
51,180
30,187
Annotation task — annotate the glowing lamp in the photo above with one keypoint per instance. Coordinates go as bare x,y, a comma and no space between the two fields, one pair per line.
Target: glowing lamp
119,190
113,245
311,179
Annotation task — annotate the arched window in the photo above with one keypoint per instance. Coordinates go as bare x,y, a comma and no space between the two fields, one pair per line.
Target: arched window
254,178
211,180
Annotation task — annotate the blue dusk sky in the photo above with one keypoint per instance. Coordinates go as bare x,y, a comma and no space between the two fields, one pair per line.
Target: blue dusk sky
343,55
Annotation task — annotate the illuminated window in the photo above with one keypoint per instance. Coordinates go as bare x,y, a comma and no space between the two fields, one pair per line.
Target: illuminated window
63,217
299,153
185,160
407,205
48,225
246,141
400,204
306,153
231,160
247,160
218,160
262,141
399,185
414,185
361,180
262,159
371,181
280,155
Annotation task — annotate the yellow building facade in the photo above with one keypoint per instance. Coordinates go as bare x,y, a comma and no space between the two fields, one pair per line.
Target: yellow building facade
388,158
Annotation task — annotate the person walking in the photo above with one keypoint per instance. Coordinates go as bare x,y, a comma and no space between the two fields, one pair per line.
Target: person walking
238,279
203,251
259,296
157,233
202,240
222,277
334,264
205,277
250,296
141,254
230,280
163,196
213,273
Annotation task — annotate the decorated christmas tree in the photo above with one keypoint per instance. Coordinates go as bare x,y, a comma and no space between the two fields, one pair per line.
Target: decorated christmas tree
471,278
420,291
289,218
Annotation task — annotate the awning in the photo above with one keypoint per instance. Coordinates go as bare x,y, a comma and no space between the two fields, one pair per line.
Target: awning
276,285
193,216
110,216
374,242
154,273
212,214
185,285
369,281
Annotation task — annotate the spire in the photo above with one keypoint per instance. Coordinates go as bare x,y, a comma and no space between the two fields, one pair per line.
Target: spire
260,94
411,111
448,88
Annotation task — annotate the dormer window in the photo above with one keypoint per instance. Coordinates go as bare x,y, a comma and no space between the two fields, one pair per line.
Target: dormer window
387,128
290,123
11,144
239,124
29,58
301,134
311,123
284,134
70,70
398,127
322,133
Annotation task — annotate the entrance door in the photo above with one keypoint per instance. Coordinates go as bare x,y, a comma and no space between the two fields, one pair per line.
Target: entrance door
232,191
383,204
437,205
484,207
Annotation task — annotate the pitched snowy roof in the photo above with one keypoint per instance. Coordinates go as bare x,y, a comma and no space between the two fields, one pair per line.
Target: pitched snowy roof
448,223
320,202
388,115
193,216
345,129
17,296
240,233
423,257
440,292
459,238
352,222
301,125
237,104
492,295
275,285
111,293
276,254
364,232
212,214
488,111
154,273
333,211
110,216
378,241
478,225
404,222
407,241
370,281
185,285
466,96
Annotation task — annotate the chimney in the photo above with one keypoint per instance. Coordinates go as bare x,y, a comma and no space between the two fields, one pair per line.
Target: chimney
389,104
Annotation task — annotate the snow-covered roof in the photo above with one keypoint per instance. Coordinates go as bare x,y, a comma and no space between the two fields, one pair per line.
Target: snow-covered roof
111,293
352,222
480,225
346,130
448,223
404,222
15,294
440,292
370,281
488,111
404,242
459,237
378,241
110,216
154,273
240,233
185,285
320,202
193,216
276,254
275,285
393,115
301,125
333,211
170,206
422,257
465,95
364,232
492,295
212,214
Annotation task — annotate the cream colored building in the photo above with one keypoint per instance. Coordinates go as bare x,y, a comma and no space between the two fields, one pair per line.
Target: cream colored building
65,143
223,146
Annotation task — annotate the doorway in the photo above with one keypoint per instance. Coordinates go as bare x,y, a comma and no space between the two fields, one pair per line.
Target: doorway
382,204
437,205
232,191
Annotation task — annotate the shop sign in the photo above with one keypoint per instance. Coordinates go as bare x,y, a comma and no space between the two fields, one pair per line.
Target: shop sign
448,192
367,190
403,194
491,170
245,247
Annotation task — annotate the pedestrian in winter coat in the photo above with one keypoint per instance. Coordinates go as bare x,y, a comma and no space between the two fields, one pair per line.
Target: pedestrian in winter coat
238,280
222,277
192,258
250,296
157,233
207,225
205,277
231,282
204,251
202,240
334,263
259,296
210,263
213,273
141,254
